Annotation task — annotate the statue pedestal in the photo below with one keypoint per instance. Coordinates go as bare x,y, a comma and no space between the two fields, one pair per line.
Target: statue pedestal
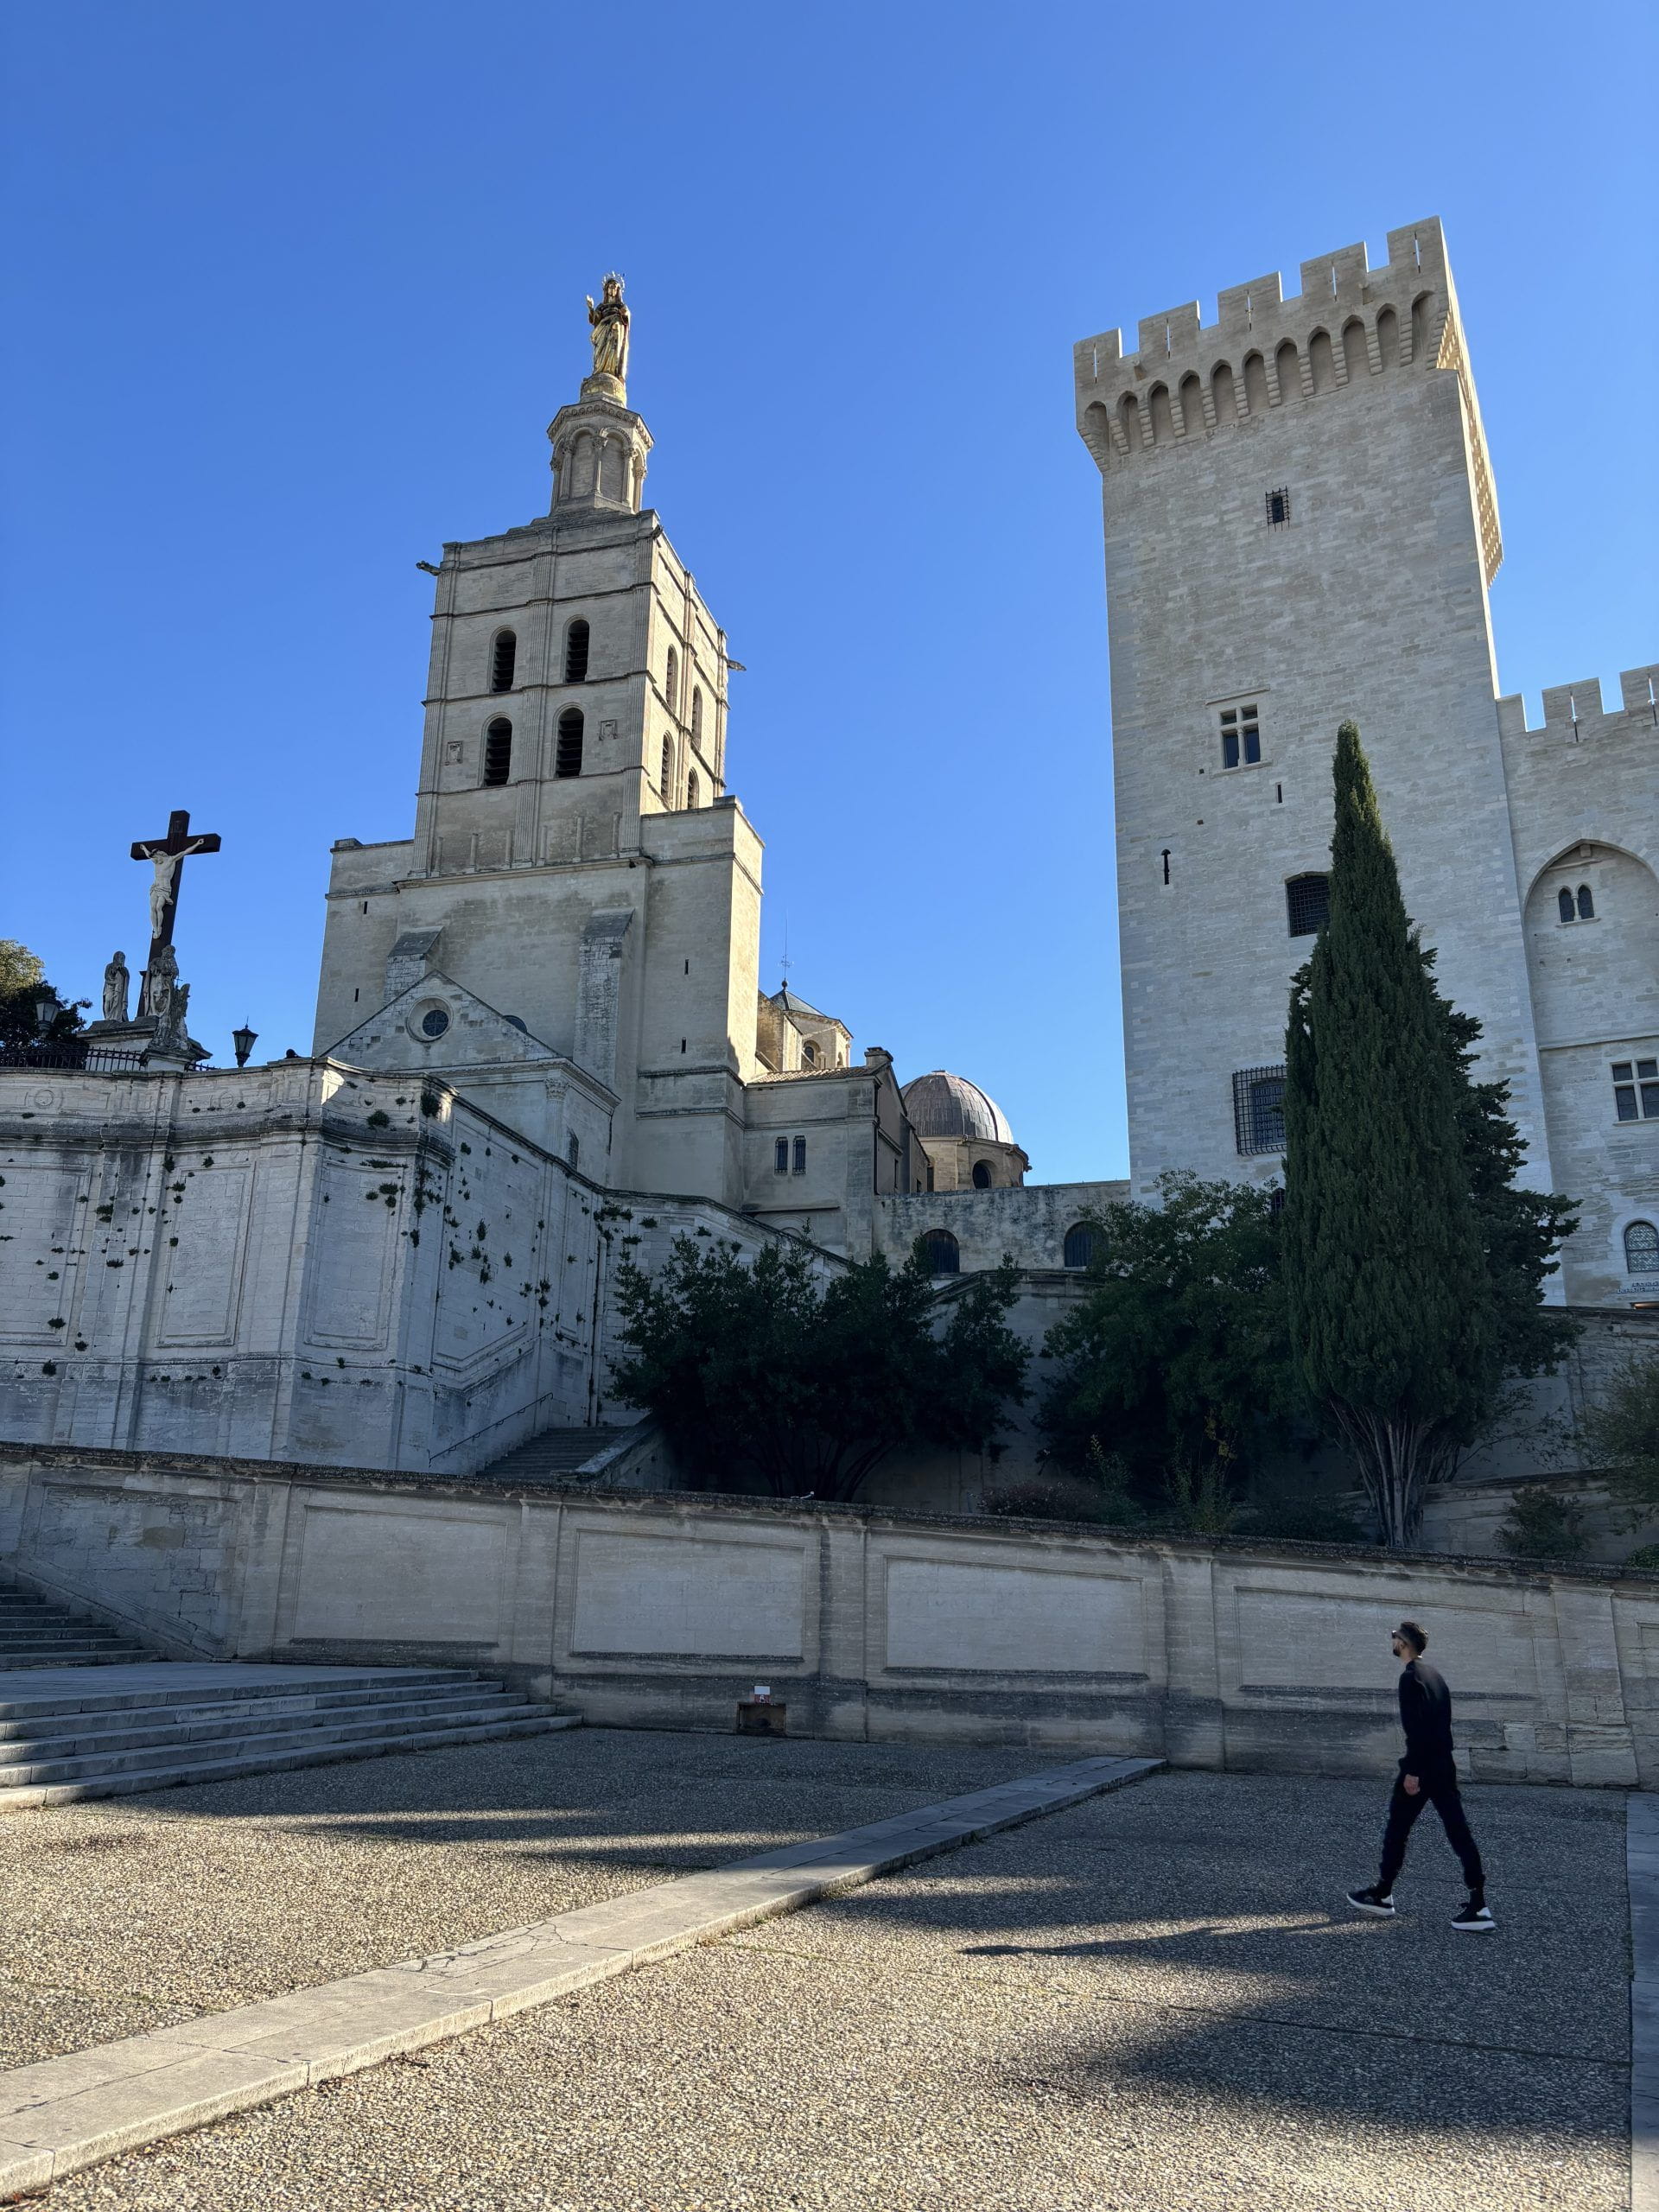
139,1036
605,387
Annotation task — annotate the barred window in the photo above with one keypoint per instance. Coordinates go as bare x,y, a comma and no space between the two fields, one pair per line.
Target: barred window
780,1157
498,751
1642,1248
800,1156
1278,508
941,1254
1307,904
1240,737
1081,1245
1259,1109
1636,1089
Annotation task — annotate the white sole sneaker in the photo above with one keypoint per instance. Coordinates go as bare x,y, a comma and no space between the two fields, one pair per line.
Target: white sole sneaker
1364,1905
1485,1925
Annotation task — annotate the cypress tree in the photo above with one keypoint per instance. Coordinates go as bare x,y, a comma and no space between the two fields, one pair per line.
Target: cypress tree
1393,1322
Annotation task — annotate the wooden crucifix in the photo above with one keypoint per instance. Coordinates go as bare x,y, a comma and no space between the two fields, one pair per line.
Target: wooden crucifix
166,856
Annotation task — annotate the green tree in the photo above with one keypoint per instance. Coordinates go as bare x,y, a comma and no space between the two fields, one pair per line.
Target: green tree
22,977
1413,1266
1177,1358
1622,1430
19,968
763,1369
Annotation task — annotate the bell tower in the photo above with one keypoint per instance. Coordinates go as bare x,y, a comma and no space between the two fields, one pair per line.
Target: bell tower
572,802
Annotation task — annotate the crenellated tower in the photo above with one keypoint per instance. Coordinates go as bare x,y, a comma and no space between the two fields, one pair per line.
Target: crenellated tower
1300,526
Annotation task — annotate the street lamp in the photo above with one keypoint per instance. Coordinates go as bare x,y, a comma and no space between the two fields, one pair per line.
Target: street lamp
47,1009
245,1039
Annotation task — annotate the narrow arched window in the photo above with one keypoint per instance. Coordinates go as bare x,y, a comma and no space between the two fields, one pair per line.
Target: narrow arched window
1355,360
981,1175
693,789
1129,418
808,1054
671,681
1191,407
503,659
696,716
1081,1243
567,760
1322,361
799,1164
1586,904
1163,421
1421,308
666,780
1222,396
1564,904
1388,338
1642,1248
1256,383
498,751
941,1254
1290,371
575,652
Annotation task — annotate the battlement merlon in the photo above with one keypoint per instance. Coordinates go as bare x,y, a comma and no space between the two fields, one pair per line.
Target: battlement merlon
1338,288
1574,715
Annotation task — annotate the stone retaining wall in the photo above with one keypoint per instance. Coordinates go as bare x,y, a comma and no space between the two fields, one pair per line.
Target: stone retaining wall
659,1610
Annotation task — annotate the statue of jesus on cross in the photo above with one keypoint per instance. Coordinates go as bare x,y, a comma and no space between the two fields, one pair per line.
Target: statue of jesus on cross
166,856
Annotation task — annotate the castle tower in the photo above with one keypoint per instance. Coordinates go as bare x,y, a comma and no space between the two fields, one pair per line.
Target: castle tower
1300,527
577,866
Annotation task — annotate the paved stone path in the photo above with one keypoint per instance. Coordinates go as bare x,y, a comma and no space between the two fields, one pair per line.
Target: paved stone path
1642,1863
1152,2001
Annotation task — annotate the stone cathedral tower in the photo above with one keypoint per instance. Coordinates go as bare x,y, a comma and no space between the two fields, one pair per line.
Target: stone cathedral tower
1300,527
579,889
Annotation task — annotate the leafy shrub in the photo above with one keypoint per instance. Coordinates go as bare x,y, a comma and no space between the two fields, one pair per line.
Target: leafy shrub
1540,1525
1644,1557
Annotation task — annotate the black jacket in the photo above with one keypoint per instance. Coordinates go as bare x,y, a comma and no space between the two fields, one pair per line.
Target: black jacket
1426,1716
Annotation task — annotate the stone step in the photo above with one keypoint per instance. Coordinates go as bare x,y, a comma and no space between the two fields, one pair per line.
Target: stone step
209,1712
47,1638
183,1725
259,1742
340,1682
76,1655
30,1796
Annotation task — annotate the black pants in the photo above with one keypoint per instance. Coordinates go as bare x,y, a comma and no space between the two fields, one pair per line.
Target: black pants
1441,1792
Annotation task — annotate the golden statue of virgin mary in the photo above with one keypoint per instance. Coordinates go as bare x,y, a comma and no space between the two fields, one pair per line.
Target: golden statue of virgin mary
609,324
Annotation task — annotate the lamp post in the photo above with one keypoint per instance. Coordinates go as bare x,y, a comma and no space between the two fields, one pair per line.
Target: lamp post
245,1039
47,1009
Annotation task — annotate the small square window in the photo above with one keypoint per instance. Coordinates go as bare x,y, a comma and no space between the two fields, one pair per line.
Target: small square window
1646,1070
1241,738
1278,506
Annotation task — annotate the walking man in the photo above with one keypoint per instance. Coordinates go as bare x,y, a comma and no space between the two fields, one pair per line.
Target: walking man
1427,1777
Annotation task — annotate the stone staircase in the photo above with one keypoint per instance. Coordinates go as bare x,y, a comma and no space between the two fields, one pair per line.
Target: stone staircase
35,1632
553,1456
162,1724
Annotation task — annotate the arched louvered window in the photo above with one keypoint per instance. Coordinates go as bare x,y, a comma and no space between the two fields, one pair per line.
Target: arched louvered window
1081,1245
1586,904
671,682
575,652
693,789
498,751
1564,905
567,760
665,783
504,657
941,1254
1642,1248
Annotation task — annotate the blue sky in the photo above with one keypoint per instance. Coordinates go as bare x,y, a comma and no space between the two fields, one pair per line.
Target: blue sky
294,293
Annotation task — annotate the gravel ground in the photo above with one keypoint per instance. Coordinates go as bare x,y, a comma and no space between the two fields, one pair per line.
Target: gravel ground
1146,2004
133,1913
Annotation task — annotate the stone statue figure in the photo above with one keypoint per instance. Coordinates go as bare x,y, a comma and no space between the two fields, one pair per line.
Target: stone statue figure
609,322
161,980
171,1034
117,982
166,866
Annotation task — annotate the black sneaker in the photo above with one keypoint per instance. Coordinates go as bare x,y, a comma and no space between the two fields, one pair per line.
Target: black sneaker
1376,1901
1475,1919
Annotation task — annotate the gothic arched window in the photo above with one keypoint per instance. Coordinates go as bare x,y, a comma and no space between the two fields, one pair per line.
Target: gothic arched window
671,682
567,760
503,657
575,652
1586,904
1642,1248
693,789
498,751
941,1254
1080,1244
1564,904
666,780
697,715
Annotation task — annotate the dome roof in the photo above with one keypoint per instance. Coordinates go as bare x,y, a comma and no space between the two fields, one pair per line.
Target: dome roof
941,1105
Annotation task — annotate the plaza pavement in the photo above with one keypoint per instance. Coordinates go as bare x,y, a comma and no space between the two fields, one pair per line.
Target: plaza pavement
1154,2000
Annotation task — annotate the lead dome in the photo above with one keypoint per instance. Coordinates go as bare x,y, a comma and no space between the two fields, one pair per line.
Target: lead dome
940,1104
